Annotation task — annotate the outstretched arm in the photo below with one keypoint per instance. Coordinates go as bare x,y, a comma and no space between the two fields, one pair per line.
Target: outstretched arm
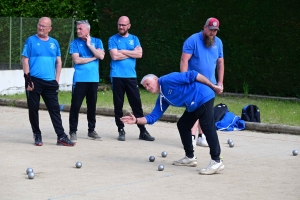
131,119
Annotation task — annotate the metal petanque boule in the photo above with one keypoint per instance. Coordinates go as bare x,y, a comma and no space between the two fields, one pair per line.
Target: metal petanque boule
78,165
151,158
28,170
229,141
31,175
161,167
295,152
164,154
231,144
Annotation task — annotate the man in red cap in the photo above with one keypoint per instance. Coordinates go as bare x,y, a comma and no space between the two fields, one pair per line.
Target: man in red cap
203,52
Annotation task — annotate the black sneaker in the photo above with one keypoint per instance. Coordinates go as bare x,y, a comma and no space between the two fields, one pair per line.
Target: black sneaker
73,136
121,135
64,141
146,136
94,135
38,140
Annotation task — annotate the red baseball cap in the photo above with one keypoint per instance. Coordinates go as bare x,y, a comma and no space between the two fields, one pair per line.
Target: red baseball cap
212,23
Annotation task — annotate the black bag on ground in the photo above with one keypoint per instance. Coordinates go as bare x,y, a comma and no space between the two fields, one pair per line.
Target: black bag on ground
251,113
219,111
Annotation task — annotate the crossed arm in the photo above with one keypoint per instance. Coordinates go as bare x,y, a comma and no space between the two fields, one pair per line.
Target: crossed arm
115,54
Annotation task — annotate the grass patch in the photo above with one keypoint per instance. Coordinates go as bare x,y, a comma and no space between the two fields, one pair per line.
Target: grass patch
271,111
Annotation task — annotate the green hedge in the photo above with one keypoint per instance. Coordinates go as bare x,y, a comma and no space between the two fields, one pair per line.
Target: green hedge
261,39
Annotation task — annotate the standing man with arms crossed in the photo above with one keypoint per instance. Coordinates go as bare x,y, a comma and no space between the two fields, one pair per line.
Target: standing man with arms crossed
41,60
203,52
124,49
86,52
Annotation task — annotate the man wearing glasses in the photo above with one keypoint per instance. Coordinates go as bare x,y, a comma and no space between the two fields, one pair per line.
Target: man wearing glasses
41,60
124,49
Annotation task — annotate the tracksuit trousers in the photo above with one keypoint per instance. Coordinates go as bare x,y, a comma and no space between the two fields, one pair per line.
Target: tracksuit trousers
79,91
207,123
129,86
49,91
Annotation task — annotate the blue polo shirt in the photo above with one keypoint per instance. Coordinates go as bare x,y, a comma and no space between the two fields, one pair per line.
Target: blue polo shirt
203,60
87,72
42,57
123,68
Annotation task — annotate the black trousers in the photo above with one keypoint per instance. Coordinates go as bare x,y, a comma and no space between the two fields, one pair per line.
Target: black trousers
205,115
79,91
49,91
129,86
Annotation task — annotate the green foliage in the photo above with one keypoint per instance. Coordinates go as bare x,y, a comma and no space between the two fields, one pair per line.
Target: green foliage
261,40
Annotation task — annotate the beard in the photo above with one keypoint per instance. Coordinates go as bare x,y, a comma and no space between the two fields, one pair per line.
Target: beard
208,41
122,32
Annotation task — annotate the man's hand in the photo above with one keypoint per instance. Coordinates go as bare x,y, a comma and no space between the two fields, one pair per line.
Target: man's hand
218,89
88,40
28,83
129,119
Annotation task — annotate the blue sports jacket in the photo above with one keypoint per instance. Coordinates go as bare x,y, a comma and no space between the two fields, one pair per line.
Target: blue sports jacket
180,89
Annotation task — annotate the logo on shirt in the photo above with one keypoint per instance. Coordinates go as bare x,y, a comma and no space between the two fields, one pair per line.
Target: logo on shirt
52,46
131,42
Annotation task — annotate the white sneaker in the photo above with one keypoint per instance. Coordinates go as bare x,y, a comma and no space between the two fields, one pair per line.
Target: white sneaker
202,141
191,162
194,141
213,167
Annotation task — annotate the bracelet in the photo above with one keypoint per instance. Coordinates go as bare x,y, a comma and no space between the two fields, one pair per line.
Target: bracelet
136,121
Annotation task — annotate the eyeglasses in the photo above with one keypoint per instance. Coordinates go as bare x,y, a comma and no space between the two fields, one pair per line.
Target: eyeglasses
122,24
42,26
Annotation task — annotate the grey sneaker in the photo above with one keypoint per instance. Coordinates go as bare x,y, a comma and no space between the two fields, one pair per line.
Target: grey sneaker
121,135
64,141
73,137
94,135
213,168
186,161
146,136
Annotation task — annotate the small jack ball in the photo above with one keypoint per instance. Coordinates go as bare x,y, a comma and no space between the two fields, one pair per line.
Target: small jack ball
31,175
78,165
28,170
164,154
231,144
295,152
160,167
229,141
151,158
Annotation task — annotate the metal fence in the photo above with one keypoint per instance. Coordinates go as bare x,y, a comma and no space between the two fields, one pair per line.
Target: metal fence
15,31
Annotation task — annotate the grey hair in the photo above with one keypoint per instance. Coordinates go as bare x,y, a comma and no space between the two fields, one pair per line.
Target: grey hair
86,22
148,76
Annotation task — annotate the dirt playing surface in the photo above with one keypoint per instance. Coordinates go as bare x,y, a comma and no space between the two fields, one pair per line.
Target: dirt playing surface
259,166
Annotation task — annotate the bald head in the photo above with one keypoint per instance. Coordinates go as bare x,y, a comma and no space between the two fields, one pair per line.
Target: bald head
44,26
124,19
123,26
46,20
